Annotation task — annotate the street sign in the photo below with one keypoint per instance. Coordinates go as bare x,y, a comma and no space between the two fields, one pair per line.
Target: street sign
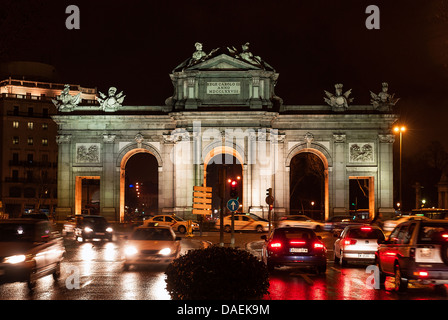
202,200
269,200
202,189
233,205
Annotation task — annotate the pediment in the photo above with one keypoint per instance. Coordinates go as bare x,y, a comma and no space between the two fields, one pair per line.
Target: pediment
223,62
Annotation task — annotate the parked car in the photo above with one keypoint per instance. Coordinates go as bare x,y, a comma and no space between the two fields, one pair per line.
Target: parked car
416,250
300,221
89,227
248,222
29,250
357,244
389,225
175,222
151,245
294,246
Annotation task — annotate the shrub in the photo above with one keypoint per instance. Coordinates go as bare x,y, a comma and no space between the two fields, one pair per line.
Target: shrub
217,273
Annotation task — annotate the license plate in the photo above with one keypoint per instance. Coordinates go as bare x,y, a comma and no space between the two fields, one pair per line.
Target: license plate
100,233
366,256
298,250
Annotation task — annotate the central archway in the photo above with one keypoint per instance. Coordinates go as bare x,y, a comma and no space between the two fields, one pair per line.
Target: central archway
229,158
321,154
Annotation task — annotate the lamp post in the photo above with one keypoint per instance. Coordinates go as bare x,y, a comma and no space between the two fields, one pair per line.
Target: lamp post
400,130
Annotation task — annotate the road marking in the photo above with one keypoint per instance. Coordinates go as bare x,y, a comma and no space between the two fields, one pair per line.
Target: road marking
337,270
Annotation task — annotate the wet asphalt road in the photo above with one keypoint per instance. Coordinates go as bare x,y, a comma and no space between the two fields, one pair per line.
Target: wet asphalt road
101,277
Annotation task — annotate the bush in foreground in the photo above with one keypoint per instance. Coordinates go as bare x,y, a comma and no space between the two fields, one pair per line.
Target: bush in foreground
217,273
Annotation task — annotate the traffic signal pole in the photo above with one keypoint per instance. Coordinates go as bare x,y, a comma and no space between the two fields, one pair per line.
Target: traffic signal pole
222,192
270,201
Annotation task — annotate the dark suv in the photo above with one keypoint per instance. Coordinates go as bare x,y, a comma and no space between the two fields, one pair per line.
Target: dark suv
29,250
415,251
92,227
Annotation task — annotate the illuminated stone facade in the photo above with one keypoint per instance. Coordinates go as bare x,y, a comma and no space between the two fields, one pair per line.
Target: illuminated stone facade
224,102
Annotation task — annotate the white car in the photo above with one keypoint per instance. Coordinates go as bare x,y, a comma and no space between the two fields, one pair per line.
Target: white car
300,221
249,222
357,244
175,222
390,225
151,245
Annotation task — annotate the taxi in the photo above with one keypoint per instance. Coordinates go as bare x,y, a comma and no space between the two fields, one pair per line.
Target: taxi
151,245
248,222
177,223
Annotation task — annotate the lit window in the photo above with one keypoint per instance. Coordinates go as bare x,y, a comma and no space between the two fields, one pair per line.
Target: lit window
15,140
44,126
45,142
30,141
30,125
15,124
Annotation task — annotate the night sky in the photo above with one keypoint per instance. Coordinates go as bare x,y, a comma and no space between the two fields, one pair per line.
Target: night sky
134,45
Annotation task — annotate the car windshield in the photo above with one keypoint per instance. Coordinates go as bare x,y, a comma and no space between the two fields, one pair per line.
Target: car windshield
177,218
365,233
152,234
433,233
11,232
256,218
293,233
94,220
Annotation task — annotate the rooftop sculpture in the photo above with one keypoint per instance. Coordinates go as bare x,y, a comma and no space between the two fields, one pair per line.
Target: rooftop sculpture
66,102
338,101
383,101
112,102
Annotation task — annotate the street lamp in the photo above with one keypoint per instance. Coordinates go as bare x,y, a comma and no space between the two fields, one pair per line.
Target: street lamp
400,130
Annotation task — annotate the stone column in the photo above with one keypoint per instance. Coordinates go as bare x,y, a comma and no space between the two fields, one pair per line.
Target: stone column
339,177
107,186
166,190
386,175
279,172
65,183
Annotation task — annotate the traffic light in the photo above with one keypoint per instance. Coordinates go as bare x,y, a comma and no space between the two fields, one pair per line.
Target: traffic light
233,189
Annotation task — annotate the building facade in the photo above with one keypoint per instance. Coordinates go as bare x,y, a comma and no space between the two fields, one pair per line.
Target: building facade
224,102
28,171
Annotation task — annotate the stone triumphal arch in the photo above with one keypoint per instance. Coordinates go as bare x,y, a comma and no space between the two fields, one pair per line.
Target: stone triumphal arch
224,103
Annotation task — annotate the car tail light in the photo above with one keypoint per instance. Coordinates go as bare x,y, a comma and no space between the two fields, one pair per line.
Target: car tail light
318,245
348,242
275,245
422,274
445,236
366,228
297,242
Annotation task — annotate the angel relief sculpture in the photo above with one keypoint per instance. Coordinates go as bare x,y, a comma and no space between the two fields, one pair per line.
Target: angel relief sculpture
66,102
112,102
383,101
338,101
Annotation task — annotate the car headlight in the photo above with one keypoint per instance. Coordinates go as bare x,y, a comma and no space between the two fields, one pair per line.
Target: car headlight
109,229
15,259
165,251
88,229
130,250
